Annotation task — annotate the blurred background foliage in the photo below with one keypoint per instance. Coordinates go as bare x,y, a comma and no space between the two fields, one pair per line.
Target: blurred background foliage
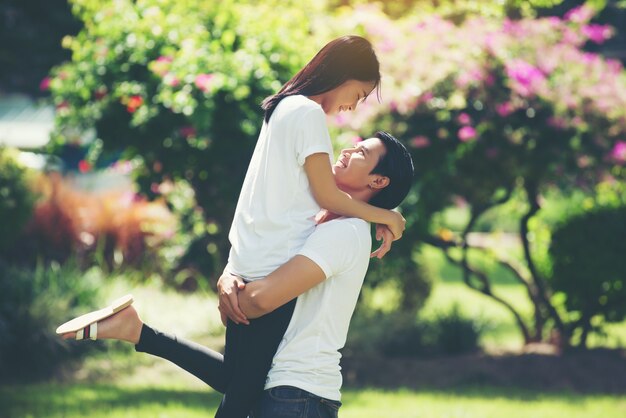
514,112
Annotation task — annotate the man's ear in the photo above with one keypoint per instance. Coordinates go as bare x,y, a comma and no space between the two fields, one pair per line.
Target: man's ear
378,182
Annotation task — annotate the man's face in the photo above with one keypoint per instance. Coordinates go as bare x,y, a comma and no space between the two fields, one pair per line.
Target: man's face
347,96
354,165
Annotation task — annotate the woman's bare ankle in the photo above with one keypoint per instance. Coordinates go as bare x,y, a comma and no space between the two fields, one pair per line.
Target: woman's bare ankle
124,326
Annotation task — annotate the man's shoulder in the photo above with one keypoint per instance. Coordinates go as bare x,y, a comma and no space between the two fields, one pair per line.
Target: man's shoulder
346,228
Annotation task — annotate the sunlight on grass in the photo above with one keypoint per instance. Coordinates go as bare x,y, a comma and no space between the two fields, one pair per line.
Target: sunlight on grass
499,325
482,403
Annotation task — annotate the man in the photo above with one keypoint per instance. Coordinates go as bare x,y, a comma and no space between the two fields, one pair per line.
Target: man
326,275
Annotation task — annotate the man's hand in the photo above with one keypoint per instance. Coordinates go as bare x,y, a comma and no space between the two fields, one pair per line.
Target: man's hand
382,232
228,286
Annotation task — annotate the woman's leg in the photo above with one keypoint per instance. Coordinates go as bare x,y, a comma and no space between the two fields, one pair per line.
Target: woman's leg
206,364
249,353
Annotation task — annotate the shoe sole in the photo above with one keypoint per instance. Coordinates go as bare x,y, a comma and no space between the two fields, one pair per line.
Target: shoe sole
95,316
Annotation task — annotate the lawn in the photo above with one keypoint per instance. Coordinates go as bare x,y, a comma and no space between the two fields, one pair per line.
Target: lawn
116,401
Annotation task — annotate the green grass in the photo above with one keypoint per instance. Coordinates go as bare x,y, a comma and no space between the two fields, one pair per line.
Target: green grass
479,403
112,401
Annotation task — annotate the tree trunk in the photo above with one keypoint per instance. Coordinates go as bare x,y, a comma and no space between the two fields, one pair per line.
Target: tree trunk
542,293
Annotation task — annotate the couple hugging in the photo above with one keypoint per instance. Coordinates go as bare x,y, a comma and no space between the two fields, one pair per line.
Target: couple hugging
295,270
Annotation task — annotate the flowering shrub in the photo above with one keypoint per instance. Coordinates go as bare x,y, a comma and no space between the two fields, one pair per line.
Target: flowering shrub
493,106
177,85
521,97
121,226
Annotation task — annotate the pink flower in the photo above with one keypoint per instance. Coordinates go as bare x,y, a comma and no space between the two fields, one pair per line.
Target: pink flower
557,122
553,21
492,152
387,45
187,131
464,119
597,33
469,77
425,98
45,84
100,93
204,81
467,133
356,139
614,66
171,80
161,66
122,167
504,109
340,119
618,153
526,77
580,14
420,141
583,161
84,166
572,37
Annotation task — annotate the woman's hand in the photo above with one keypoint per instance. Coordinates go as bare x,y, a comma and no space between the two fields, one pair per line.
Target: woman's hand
384,233
228,287
396,224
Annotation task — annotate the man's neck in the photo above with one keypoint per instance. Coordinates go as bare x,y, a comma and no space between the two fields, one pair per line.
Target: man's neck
362,195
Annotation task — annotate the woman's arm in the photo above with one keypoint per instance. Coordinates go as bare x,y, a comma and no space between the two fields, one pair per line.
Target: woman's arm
282,285
327,195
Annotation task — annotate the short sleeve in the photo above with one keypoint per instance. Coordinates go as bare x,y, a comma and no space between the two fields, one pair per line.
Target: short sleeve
312,135
336,245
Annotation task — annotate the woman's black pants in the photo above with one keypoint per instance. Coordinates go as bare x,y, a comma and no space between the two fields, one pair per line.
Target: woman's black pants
241,372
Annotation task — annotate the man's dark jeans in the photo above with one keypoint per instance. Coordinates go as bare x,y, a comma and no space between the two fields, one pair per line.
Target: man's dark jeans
292,402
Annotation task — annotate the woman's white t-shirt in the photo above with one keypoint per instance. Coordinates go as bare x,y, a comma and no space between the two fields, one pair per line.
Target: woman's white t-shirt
276,209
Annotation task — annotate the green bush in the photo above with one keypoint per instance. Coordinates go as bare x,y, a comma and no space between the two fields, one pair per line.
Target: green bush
589,267
32,304
401,335
455,333
16,198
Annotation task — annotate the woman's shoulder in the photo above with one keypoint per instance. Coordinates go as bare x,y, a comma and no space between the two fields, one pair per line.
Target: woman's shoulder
297,106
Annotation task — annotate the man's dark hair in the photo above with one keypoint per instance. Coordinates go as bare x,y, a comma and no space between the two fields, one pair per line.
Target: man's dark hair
397,165
342,59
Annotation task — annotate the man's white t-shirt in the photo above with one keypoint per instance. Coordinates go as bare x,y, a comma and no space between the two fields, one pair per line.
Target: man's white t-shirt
308,356
276,209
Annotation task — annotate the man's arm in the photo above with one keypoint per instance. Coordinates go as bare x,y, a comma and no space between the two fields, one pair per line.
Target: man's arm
282,285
